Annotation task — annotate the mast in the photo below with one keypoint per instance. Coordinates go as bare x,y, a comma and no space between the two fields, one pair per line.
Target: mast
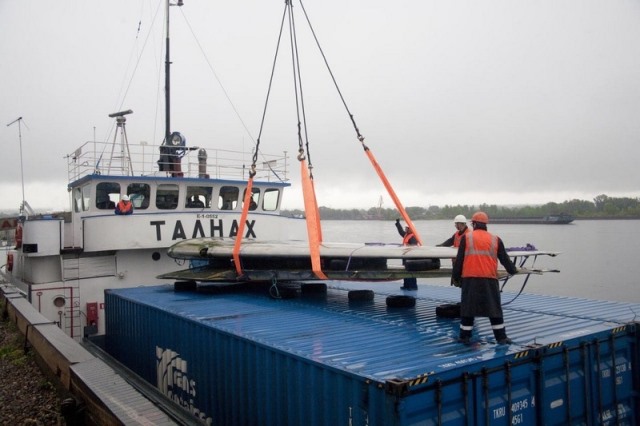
19,121
167,74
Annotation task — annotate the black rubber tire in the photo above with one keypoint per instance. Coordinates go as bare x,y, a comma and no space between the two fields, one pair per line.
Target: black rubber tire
450,310
314,288
400,301
421,264
361,295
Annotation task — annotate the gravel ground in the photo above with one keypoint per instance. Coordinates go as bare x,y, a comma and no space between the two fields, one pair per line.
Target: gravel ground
27,396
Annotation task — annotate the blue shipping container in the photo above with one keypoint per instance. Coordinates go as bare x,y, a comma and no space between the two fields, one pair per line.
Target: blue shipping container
239,357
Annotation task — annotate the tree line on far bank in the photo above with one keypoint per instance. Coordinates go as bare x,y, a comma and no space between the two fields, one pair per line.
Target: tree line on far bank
602,207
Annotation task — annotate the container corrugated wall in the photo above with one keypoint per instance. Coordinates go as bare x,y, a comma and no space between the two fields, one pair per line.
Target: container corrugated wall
244,359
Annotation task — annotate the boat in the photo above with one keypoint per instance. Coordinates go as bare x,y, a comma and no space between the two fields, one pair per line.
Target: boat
553,219
63,262
211,260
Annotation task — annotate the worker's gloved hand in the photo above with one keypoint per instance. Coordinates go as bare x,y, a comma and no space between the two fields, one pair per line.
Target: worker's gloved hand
455,283
398,221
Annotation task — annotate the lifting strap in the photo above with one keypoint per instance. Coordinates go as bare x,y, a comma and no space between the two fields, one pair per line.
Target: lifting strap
248,192
391,192
312,214
243,220
314,231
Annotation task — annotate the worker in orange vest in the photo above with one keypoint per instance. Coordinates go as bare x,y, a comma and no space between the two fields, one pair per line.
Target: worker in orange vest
408,239
476,269
460,222
124,206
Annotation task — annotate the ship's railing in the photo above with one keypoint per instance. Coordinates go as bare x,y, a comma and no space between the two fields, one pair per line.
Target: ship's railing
142,160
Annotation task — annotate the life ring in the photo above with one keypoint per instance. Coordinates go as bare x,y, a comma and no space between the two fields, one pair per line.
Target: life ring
10,262
18,236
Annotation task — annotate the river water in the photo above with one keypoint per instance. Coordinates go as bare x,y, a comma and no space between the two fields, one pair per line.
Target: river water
596,260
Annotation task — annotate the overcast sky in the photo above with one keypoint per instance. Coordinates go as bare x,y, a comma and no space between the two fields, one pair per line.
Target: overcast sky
461,102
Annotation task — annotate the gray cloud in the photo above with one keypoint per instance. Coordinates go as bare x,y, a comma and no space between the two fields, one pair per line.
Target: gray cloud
461,102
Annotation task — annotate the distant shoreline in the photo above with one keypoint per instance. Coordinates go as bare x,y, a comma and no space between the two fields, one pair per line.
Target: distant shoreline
502,218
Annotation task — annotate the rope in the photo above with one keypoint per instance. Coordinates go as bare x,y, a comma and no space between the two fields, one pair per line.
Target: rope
248,192
312,214
375,164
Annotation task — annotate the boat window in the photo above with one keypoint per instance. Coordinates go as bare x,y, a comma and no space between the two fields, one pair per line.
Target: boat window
86,197
271,199
139,194
107,194
228,198
255,197
167,196
77,200
198,197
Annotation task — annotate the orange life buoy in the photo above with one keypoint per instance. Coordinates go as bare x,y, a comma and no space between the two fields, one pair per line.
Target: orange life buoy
18,236
10,262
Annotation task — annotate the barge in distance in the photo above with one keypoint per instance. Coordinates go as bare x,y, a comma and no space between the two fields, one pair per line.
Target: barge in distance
554,219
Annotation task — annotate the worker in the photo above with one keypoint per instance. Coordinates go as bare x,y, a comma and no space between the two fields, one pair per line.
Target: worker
124,206
408,239
476,270
460,222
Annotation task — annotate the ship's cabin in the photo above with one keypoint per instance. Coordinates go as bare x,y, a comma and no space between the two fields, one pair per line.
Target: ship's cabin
97,194
195,179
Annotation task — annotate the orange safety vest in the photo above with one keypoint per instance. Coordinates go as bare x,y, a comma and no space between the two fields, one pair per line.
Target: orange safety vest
124,208
457,237
480,255
407,238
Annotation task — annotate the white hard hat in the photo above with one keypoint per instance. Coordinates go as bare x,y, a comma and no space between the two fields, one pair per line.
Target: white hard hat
460,219
125,198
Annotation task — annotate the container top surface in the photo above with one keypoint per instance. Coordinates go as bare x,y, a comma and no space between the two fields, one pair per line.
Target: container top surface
379,342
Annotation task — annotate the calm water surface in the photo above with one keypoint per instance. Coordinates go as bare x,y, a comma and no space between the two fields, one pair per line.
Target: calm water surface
597,259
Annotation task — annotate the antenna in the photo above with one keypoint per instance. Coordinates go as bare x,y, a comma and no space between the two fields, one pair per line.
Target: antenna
125,154
121,113
19,120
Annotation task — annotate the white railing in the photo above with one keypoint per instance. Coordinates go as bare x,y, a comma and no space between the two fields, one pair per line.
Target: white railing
114,158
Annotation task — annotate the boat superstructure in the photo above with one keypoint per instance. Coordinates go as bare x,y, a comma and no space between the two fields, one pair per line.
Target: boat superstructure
64,262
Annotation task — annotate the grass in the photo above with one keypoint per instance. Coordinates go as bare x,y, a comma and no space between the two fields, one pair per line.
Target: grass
11,342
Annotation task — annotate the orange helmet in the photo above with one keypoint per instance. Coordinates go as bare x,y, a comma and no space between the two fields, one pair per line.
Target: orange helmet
480,217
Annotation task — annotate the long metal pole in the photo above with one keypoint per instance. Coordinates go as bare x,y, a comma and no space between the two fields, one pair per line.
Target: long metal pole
167,84
19,119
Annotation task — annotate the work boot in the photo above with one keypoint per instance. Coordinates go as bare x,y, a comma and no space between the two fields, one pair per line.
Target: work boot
410,284
464,337
501,336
